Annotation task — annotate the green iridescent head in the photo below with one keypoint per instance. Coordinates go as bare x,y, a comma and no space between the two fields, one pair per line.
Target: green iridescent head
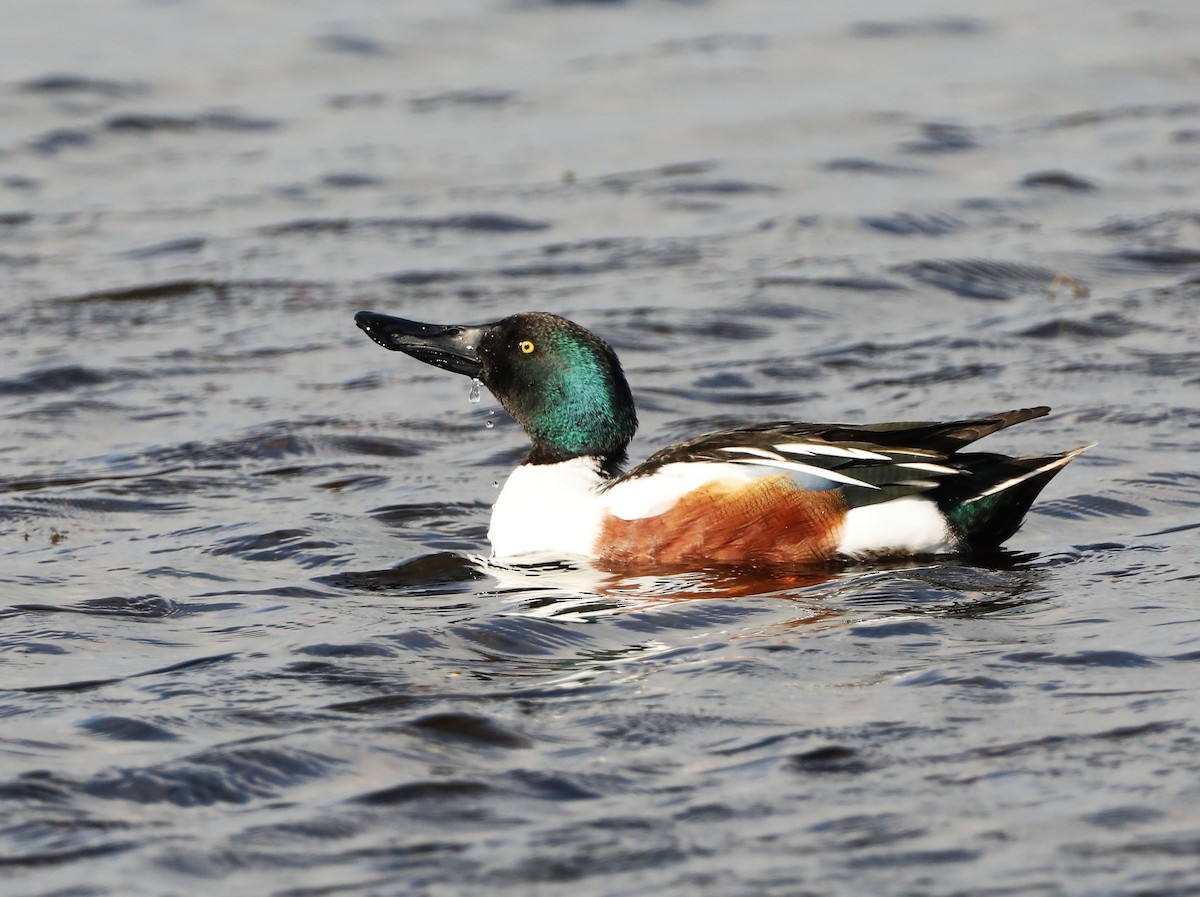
560,381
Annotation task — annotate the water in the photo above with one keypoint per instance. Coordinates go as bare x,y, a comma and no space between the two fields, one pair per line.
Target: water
247,643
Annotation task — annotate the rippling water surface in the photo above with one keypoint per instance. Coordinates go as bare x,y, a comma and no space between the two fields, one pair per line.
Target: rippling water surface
248,643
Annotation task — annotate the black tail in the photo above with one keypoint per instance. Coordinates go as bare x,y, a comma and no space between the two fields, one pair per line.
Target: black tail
988,504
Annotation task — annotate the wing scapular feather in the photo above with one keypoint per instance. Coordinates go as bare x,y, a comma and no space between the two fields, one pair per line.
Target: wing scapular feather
875,462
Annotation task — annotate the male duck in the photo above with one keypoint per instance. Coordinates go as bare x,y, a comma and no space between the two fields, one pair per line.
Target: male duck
767,494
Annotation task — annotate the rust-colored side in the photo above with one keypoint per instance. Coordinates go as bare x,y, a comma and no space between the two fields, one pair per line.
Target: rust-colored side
768,520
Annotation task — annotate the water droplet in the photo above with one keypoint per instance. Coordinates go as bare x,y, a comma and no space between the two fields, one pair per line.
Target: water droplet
489,424
495,484
473,395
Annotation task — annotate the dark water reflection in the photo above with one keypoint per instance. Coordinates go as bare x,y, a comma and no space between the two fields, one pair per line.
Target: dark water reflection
248,640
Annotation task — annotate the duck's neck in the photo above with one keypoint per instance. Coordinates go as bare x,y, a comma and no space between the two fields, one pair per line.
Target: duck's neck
608,464
580,425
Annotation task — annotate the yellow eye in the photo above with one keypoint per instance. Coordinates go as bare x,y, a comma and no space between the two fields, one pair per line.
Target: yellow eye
526,346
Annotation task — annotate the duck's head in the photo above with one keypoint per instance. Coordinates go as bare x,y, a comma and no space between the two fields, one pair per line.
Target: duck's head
560,381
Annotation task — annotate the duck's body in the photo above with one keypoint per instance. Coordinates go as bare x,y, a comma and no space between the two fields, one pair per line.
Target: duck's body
765,494
700,513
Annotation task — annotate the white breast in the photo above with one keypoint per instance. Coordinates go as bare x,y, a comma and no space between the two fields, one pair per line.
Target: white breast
911,525
548,508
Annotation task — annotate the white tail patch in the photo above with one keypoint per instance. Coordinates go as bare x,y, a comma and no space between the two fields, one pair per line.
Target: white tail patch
1054,464
911,525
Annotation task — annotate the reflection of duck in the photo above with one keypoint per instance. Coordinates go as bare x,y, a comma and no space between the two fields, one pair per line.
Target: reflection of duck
545,587
775,494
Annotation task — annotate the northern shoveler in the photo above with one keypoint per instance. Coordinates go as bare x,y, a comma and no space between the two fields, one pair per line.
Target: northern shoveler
765,494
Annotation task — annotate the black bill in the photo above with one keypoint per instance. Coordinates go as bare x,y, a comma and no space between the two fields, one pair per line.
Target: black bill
450,346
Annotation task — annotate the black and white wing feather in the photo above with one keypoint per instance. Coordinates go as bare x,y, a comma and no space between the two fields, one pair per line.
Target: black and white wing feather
872,463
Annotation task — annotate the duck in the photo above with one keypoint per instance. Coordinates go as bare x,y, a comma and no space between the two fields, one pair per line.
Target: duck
772,494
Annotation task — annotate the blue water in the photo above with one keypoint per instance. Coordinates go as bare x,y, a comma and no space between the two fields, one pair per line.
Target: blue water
249,639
